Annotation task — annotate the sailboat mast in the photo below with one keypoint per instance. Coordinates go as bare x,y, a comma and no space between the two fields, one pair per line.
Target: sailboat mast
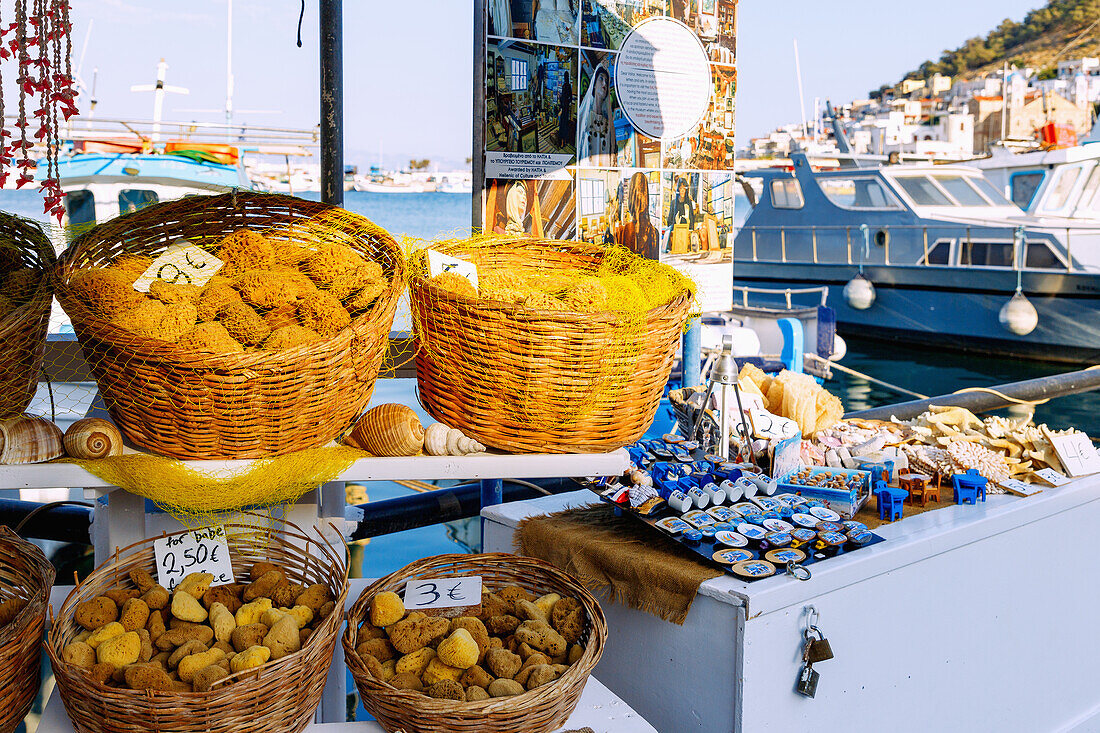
801,98
229,73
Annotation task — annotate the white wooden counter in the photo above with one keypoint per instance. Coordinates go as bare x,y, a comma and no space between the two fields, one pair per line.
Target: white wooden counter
965,619
598,707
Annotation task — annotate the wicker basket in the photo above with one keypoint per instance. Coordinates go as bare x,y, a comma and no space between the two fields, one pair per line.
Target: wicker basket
545,708
23,244
24,573
478,346
280,696
253,404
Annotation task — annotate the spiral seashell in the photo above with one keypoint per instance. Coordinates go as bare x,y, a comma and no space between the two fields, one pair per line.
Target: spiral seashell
388,430
93,437
27,439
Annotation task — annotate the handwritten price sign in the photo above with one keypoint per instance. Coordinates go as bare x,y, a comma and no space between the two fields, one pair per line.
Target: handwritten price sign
200,551
443,592
181,264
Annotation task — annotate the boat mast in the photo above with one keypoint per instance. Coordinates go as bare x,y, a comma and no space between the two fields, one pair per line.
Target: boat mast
159,90
229,73
801,99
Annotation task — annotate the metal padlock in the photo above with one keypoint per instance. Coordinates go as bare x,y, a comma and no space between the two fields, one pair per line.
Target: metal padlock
807,681
818,649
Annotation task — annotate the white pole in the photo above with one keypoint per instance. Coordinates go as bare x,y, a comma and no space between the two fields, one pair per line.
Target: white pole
158,98
1004,101
801,99
229,72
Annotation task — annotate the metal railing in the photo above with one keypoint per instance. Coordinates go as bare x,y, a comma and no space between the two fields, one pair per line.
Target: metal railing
880,237
823,291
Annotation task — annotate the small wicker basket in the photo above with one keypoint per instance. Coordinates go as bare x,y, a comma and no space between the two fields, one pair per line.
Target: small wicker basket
509,377
545,708
253,404
279,697
24,573
23,246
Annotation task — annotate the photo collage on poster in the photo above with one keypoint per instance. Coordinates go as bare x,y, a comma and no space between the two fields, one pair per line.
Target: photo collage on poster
563,158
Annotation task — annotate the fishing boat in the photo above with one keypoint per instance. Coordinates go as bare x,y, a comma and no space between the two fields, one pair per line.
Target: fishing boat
926,254
1055,185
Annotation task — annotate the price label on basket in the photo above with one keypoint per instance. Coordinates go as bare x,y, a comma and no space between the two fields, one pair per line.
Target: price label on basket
439,263
1077,454
1018,487
199,551
443,592
183,263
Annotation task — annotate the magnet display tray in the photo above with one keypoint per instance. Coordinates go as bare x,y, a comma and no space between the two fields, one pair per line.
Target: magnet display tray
706,548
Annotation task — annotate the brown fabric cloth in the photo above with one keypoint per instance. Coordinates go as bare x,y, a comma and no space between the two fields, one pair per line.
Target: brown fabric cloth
620,556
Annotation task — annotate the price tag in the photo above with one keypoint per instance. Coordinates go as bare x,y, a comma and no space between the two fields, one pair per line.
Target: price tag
439,263
1018,487
1052,477
443,592
182,263
1076,453
199,551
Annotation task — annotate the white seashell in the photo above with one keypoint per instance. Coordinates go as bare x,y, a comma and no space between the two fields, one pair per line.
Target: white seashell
435,439
453,436
846,459
640,494
832,460
93,437
27,439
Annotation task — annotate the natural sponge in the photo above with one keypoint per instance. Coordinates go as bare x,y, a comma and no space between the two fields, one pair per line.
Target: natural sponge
386,608
458,650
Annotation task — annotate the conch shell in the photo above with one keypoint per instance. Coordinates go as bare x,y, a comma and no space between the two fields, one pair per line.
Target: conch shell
28,439
93,437
440,440
388,430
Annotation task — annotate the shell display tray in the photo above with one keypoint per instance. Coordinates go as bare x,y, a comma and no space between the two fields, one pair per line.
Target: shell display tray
707,546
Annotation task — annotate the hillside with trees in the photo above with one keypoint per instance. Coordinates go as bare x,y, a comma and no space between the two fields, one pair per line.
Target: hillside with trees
1060,30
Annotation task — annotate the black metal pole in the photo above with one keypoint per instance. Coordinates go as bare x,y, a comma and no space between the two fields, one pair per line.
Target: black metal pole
332,102
478,153
1057,385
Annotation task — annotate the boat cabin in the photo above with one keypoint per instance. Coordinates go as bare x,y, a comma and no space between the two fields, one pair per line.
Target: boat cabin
1061,183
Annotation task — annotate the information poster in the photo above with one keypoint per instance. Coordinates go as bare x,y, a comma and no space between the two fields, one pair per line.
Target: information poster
612,121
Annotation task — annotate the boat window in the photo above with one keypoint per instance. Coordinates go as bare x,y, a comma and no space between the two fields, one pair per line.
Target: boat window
133,199
857,193
1090,196
923,191
80,206
940,254
961,191
985,254
1060,188
1023,187
1041,256
994,194
787,194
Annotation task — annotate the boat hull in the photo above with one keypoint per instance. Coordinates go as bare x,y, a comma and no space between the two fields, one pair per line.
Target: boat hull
944,309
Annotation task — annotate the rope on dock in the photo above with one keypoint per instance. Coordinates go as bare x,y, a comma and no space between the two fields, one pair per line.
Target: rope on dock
868,377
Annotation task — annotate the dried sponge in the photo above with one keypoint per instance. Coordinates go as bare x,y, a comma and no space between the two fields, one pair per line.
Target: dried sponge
446,690
323,313
211,337
272,288
134,614
416,662
386,608
330,261
503,663
222,621
287,337
459,650
452,282
540,635
245,250
205,678
243,323
250,658
588,295
437,671
477,631
154,320
147,677
407,681
213,298
169,293
476,676
104,633
505,688
106,293
365,296
475,693
80,654
251,613
94,613
283,638
185,607
263,586
380,649
120,650
192,663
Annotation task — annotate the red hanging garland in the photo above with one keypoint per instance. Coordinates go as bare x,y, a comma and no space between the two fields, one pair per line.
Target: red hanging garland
41,42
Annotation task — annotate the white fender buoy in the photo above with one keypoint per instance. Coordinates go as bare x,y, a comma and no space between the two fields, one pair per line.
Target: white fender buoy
1018,315
840,348
859,293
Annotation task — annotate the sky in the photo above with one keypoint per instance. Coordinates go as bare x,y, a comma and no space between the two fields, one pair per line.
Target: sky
408,65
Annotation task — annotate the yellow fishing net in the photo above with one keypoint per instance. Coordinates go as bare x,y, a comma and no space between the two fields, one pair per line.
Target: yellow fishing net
554,333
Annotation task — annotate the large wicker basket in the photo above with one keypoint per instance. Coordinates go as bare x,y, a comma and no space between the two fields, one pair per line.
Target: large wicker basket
280,696
24,573
473,352
253,404
23,246
545,708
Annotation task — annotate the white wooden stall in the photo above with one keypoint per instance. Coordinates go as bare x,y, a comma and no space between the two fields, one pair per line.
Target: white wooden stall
968,618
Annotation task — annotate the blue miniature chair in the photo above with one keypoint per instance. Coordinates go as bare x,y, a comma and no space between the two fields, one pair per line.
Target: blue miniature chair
890,501
969,486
